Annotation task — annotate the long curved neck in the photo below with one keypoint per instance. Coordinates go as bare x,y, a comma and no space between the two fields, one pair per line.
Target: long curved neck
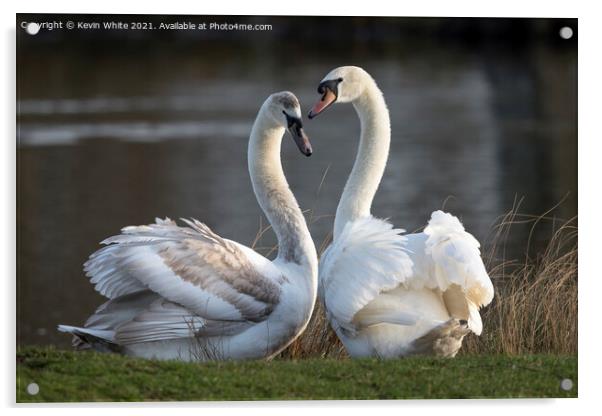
371,157
274,195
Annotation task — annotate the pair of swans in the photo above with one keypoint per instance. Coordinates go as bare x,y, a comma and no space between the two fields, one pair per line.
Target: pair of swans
186,293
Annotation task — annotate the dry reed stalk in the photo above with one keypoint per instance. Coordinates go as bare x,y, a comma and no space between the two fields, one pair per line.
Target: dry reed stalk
535,306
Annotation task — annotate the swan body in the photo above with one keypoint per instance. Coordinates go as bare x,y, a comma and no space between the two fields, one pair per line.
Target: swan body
387,293
183,292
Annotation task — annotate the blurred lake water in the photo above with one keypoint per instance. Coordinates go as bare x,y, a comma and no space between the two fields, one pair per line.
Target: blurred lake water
108,139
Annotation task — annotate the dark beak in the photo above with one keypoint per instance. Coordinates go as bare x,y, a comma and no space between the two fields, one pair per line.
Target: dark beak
329,90
295,128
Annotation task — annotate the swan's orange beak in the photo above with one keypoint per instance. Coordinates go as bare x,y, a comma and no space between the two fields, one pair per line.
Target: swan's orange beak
328,98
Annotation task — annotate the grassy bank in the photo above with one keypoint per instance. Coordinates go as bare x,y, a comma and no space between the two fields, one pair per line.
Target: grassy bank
67,376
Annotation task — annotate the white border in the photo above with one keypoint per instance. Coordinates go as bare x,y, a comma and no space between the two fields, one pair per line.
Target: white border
589,188
508,8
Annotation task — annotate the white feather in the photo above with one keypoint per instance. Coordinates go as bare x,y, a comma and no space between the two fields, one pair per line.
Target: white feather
368,257
456,258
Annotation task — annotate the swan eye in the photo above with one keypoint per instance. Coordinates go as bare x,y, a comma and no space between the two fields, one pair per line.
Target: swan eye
332,85
289,120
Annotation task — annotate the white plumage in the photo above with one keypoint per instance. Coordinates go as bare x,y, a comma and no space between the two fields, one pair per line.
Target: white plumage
383,289
367,247
387,293
183,292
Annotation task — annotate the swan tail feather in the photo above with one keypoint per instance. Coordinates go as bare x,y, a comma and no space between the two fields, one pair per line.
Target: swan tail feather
88,338
457,258
458,269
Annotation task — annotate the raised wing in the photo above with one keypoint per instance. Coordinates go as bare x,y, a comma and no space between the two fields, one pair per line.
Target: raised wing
368,257
457,268
191,267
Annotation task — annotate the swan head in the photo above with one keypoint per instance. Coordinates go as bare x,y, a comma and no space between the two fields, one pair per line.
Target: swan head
284,110
342,85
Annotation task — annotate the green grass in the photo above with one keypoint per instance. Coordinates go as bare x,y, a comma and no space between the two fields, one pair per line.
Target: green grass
68,376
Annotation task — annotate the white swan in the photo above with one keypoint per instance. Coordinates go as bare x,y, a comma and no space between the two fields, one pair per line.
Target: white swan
388,294
186,293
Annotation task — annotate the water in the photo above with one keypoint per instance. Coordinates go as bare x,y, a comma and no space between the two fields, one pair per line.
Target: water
109,139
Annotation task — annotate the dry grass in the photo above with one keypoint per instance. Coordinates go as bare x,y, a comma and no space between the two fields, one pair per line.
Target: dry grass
535,304
318,341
